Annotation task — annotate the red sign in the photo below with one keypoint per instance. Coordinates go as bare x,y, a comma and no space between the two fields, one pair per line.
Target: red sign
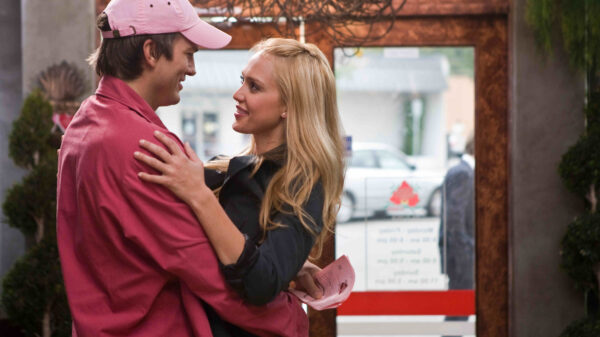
449,303
405,195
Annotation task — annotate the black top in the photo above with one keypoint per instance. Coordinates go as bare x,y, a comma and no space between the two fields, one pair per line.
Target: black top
263,269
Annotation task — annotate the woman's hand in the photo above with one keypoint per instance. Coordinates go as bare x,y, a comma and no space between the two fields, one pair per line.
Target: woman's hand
181,172
305,280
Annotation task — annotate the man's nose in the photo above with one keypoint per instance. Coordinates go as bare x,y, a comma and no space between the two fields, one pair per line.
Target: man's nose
191,71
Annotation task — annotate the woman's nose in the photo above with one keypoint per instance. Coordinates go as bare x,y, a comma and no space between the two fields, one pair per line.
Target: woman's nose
238,95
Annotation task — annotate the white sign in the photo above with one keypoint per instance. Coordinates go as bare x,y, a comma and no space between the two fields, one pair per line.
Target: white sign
404,255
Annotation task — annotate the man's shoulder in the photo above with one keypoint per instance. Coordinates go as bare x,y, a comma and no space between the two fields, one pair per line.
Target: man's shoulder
104,134
460,171
112,122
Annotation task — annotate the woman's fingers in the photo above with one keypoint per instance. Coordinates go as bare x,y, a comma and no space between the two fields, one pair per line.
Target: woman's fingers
168,142
151,161
309,283
156,150
152,178
190,152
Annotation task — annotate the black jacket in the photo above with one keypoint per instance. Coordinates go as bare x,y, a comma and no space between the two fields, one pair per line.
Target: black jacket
458,227
264,269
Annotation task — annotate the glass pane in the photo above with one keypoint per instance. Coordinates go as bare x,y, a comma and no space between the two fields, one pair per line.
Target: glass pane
406,222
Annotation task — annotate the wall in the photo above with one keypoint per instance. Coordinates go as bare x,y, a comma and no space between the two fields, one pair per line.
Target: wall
546,118
56,30
11,240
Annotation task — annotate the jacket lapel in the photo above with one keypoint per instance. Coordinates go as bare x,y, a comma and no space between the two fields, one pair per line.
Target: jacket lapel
236,164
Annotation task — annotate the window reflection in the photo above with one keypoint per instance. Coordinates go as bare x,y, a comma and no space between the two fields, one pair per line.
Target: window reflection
409,113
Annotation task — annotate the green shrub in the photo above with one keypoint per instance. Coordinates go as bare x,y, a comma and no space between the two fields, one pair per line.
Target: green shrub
33,287
587,327
580,251
33,295
31,139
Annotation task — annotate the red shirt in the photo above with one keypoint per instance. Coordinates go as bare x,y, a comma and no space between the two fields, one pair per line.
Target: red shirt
135,260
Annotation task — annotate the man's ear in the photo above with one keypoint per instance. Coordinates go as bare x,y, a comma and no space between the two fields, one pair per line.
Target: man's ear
149,58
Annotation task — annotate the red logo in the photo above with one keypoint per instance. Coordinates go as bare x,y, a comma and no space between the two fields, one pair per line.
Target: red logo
405,195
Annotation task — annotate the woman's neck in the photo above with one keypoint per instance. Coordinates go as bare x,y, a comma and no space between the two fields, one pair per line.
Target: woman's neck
265,145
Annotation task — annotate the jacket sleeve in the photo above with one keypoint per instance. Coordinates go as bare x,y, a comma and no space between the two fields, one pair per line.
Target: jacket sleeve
458,197
262,272
165,229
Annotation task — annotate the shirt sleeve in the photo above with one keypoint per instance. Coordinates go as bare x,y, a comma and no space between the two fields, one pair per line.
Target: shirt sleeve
165,229
262,272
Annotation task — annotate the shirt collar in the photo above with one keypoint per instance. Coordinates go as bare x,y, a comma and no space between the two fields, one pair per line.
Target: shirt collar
117,90
470,160
275,157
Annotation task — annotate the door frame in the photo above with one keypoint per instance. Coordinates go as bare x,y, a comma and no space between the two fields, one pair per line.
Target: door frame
488,34
482,24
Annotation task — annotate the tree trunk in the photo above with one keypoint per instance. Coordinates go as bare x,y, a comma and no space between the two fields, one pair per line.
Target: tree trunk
39,234
597,272
46,330
591,196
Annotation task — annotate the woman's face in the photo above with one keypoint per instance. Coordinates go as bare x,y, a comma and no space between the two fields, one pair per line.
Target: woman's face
260,111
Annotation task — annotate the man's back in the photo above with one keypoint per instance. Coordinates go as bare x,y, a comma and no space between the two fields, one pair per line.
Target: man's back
134,259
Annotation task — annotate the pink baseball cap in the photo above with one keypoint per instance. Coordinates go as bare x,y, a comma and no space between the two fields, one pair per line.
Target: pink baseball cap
137,17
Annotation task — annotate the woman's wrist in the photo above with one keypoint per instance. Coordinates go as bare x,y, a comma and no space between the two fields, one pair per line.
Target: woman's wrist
200,198
226,238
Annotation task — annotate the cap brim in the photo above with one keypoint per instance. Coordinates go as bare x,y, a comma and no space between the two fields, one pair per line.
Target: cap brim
206,35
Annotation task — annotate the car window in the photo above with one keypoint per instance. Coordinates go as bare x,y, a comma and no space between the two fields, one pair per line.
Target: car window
389,160
362,159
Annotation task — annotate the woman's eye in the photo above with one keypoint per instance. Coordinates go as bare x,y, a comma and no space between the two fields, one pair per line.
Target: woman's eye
242,79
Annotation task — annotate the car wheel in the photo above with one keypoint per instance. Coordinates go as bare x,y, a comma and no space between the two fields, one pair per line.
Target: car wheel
434,207
346,211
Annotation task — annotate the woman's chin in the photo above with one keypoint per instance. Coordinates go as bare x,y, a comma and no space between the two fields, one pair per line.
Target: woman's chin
238,128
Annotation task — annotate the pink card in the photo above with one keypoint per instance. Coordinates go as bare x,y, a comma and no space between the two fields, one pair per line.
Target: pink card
336,280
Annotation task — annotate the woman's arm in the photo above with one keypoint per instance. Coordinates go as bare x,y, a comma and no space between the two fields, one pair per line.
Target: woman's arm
261,272
183,173
281,255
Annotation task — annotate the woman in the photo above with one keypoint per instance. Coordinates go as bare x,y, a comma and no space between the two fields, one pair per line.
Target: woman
279,198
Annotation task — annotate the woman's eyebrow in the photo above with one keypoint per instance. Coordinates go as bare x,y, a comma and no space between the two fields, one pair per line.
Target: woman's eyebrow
253,79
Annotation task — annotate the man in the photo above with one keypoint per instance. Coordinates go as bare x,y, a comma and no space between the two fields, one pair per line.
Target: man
457,229
134,259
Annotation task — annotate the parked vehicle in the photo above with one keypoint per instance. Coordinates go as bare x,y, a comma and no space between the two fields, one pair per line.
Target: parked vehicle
381,180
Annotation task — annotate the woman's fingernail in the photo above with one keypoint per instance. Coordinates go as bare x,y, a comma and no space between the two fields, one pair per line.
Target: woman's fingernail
157,133
142,142
136,153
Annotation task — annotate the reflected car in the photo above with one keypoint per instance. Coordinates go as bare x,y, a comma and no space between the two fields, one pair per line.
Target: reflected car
381,180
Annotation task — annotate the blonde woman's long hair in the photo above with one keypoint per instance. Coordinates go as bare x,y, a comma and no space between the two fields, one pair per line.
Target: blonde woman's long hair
313,137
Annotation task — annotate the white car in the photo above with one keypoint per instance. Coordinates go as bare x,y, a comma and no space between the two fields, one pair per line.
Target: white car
380,180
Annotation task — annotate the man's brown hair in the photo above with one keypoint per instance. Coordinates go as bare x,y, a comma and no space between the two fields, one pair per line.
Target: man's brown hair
123,57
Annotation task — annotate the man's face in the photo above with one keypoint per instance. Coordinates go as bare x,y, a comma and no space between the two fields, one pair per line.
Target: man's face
168,74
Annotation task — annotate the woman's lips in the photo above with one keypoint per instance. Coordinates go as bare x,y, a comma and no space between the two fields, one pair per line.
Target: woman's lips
239,112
